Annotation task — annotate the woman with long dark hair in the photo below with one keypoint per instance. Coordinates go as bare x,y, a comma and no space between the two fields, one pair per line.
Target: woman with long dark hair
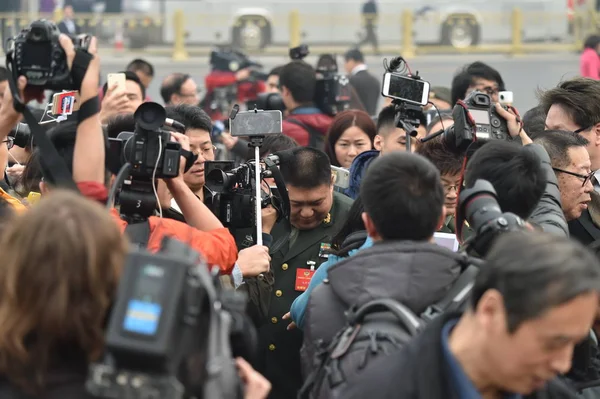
351,133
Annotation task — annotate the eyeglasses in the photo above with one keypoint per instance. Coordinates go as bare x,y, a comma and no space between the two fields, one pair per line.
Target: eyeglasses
10,142
450,187
204,151
585,178
490,91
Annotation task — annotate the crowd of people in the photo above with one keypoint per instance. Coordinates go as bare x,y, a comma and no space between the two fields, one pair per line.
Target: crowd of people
529,327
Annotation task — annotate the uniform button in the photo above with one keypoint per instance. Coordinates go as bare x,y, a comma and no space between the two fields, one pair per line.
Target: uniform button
278,293
284,266
271,347
274,320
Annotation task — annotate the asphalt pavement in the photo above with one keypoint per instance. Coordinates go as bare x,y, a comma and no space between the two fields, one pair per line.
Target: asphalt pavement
523,75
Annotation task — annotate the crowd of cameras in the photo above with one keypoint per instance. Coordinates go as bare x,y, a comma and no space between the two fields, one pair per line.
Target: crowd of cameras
148,358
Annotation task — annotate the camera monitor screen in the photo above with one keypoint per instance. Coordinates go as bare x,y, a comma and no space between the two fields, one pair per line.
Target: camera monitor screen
144,307
481,117
38,54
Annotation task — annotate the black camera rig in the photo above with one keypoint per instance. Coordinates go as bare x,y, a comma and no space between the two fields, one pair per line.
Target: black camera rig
139,158
173,331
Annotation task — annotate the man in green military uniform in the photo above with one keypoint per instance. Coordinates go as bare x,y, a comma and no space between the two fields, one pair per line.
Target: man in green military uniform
316,215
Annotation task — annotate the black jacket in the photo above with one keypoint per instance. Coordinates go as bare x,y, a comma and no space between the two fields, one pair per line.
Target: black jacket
368,89
585,229
417,372
65,380
416,274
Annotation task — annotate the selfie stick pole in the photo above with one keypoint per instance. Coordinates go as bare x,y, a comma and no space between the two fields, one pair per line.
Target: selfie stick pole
258,196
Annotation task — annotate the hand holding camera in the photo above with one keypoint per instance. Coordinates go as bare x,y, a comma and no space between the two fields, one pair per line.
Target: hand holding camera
513,123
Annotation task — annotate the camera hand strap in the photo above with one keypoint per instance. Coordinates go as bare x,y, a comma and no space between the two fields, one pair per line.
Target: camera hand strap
285,205
49,157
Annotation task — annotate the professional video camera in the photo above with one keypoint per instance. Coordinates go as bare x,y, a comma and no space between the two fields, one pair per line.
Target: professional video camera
236,195
229,60
143,156
332,91
475,118
36,54
478,205
21,135
173,331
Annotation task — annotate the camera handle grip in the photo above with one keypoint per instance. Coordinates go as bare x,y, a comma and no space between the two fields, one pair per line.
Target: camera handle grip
258,196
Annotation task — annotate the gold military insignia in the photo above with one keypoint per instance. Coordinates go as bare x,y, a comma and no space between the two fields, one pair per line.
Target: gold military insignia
327,220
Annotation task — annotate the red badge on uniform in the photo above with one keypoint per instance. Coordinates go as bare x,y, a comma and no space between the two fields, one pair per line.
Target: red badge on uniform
303,277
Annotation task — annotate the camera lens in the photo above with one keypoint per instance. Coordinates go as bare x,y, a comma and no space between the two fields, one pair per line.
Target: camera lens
150,116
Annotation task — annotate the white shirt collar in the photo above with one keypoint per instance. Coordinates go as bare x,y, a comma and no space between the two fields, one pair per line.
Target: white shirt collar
358,68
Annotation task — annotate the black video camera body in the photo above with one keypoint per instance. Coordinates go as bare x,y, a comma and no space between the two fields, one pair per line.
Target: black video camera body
171,323
232,195
36,53
149,149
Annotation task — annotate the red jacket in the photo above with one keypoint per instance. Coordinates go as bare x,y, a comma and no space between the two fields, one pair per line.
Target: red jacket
317,121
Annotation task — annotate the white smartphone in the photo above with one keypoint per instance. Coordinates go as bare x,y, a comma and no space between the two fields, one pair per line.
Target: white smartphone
341,177
505,97
405,88
117,79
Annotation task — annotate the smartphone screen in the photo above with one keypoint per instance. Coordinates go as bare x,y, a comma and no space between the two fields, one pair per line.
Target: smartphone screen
116,79
251,123
65,103
405,88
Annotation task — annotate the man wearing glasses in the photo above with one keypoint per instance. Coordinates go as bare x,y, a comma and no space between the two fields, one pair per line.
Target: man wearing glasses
571,164
477,76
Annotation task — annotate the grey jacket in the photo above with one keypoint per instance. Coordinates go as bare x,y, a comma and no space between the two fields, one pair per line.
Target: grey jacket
549,214
417,274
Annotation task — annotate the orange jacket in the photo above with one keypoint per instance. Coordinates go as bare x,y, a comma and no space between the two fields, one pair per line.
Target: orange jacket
217,246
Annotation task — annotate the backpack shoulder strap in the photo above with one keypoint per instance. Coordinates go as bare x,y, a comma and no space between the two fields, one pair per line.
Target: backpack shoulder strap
139,233
455,297
316,139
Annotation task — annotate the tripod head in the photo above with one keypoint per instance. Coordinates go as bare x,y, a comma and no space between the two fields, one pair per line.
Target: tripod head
408,119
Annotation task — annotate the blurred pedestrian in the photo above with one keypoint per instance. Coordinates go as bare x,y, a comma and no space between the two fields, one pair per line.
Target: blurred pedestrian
589,62
369,15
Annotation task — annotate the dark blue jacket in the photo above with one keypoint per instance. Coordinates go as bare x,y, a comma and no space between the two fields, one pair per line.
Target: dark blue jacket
357,170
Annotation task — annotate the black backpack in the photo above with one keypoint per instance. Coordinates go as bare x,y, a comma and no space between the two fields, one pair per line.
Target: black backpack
378,328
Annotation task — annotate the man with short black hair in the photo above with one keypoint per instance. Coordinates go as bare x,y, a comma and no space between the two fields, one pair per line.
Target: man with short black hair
366,85
179,88
273,79
143,69
515,172
305,123
316,214
574,105
534,300
476,76
572,166
197,127
122,100
403,202
449,164
389,138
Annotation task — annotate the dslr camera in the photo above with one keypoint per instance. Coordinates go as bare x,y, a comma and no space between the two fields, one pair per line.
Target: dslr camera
477,119
36,54
173,331
478,205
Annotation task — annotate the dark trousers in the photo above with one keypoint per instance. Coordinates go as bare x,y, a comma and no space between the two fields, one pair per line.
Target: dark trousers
370,36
